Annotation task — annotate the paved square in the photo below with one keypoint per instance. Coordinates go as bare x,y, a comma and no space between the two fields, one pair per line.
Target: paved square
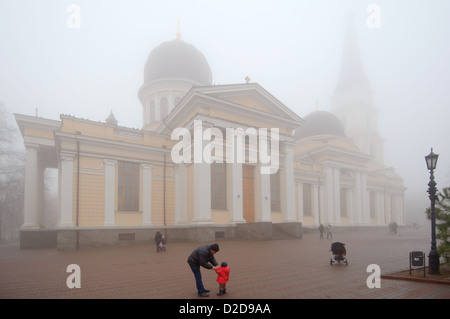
277,269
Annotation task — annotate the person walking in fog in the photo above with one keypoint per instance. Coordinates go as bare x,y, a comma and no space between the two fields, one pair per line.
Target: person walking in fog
392,227
223,275
329,234
321,230
202,256
158,241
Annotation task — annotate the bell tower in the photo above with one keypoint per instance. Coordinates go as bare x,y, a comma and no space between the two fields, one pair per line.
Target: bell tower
352,101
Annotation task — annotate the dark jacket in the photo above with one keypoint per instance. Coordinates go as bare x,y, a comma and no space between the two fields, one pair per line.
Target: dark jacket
202,257
158,237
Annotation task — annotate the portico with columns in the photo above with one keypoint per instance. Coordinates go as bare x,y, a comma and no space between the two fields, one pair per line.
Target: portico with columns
219,108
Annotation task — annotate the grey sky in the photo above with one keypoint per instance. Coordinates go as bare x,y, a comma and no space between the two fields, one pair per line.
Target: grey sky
291,48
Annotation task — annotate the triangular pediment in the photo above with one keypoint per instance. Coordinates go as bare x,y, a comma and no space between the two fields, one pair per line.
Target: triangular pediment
248,104
252,96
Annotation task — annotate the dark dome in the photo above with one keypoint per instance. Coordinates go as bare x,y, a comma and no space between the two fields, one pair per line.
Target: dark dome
319,123
177,59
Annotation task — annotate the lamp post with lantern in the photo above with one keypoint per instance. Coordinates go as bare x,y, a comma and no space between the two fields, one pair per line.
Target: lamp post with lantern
433,257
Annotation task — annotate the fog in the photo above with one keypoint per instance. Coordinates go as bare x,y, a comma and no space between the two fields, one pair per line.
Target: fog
293,49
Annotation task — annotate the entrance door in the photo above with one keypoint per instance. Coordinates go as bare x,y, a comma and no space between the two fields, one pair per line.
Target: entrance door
248,186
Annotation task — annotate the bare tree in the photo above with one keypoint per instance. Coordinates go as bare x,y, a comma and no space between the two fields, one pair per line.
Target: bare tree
12,176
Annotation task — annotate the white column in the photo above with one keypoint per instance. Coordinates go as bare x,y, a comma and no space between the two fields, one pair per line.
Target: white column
237,195
337,196
350,210
31,218
397,209
180,194
365,200
389,216
378,208
147,194
146,112
66,191
202,194
202,178
358,199
315,203
402,220
110,187
40,194
288,171
328,194
157,107
300,201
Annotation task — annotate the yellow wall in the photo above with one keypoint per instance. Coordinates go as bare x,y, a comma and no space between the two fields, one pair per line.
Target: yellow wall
250,102
158,202
345,221
91,192
128,218
29,131
308,221
277,217
158,196
221,217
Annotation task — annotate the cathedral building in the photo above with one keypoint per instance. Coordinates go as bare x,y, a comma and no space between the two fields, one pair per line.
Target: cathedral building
118,185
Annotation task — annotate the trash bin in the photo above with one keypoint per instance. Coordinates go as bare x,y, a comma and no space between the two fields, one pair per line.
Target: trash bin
417,259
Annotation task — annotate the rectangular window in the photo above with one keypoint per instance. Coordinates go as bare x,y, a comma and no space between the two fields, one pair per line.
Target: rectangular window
128,193
218,186
275,192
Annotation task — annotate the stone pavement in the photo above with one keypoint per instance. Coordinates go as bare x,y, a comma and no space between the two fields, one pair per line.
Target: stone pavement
277,269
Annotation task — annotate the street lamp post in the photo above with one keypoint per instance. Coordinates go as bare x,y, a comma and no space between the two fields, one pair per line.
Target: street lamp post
433,257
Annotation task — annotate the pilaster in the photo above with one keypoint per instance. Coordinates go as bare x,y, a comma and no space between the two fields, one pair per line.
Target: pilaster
31,218
237,200
66,191
289,185
110,187
147,194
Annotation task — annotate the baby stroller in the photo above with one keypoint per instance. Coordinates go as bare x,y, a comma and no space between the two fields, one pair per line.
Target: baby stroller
338,251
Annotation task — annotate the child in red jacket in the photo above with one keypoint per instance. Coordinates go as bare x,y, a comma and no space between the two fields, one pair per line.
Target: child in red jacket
223,274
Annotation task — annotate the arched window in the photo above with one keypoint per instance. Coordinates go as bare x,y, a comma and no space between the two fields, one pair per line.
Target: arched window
152,112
